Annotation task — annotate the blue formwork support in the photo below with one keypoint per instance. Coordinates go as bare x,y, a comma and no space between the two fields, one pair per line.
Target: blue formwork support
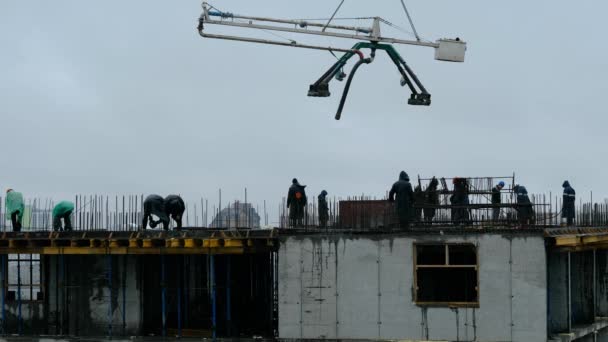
163,294
179,300
2,283
110,311
213,299
228,295
19,317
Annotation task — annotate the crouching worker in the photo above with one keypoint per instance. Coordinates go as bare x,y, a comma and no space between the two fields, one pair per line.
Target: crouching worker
174,208
63,210
155,205
14,208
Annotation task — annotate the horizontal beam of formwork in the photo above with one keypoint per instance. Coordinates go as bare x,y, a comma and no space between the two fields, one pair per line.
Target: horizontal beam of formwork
135,250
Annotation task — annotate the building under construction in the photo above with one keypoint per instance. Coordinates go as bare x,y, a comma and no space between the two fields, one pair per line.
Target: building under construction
360,278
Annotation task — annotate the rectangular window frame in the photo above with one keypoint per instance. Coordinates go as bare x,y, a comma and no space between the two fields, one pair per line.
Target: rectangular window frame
451,304
18,258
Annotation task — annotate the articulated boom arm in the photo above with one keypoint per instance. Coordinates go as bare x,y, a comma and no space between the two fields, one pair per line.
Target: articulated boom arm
320,88
445,49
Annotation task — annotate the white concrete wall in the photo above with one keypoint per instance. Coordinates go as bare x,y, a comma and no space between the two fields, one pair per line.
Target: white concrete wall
362,288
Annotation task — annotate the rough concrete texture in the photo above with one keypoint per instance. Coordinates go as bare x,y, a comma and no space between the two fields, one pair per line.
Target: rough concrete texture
361,287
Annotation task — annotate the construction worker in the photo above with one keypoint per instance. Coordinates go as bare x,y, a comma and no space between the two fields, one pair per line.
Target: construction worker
296,201
175,207
497,200
15,207
155,205
63,210
569,199
405,196
525,212
460,198
432,199
419,201
323,209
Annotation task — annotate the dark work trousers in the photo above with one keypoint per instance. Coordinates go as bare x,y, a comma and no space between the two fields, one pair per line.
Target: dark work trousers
67,222
15,221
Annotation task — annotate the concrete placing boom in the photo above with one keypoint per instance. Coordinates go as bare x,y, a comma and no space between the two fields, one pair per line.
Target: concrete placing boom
452,50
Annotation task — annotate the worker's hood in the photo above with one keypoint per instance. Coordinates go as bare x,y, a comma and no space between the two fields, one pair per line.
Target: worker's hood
403,176
323,194
566,184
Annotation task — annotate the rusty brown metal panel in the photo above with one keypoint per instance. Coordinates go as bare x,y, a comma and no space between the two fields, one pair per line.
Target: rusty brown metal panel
367,214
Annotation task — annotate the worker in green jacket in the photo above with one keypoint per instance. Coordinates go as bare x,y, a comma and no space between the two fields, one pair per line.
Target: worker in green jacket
15,208
62,210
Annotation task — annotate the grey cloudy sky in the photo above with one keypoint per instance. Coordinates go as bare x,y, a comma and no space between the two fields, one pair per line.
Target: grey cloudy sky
125,97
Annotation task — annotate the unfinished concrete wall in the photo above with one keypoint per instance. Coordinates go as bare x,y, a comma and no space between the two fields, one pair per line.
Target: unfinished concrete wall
96,290
361,287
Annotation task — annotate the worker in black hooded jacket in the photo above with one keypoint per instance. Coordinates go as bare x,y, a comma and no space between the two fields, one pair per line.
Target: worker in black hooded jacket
175,207
402,189
525,211
569,199
296,201
432,199
155,205
323,209
419,201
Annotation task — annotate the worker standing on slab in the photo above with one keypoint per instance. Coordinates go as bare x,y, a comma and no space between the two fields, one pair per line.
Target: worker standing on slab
460,199
175,207
497,200
323,209
525,212
419,201
432,199
402,189
155,205
14,208
569,199
63,210
296,202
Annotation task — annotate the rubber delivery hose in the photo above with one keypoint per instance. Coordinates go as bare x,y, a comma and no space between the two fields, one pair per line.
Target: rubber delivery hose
347,86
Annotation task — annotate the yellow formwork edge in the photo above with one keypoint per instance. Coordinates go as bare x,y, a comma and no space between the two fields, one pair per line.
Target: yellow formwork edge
211,243
193,243
133,243
176,243
567,240
595,239
147,243
233,243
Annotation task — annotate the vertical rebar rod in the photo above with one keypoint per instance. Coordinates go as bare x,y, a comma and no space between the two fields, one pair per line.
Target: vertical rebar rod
228,298
179,297
124,295
19,317
163,295
110,309
213,299
3,260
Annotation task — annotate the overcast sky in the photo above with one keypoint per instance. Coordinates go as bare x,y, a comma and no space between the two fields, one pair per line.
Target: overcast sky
125,97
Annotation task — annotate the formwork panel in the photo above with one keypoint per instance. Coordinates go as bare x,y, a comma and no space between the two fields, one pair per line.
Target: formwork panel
358,289
396,290
493,318
319,298
529,283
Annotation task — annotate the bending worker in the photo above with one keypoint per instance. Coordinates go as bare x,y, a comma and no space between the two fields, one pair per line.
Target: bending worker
403,190
15,207
62,210
569,199
497,200
174,208
155,205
